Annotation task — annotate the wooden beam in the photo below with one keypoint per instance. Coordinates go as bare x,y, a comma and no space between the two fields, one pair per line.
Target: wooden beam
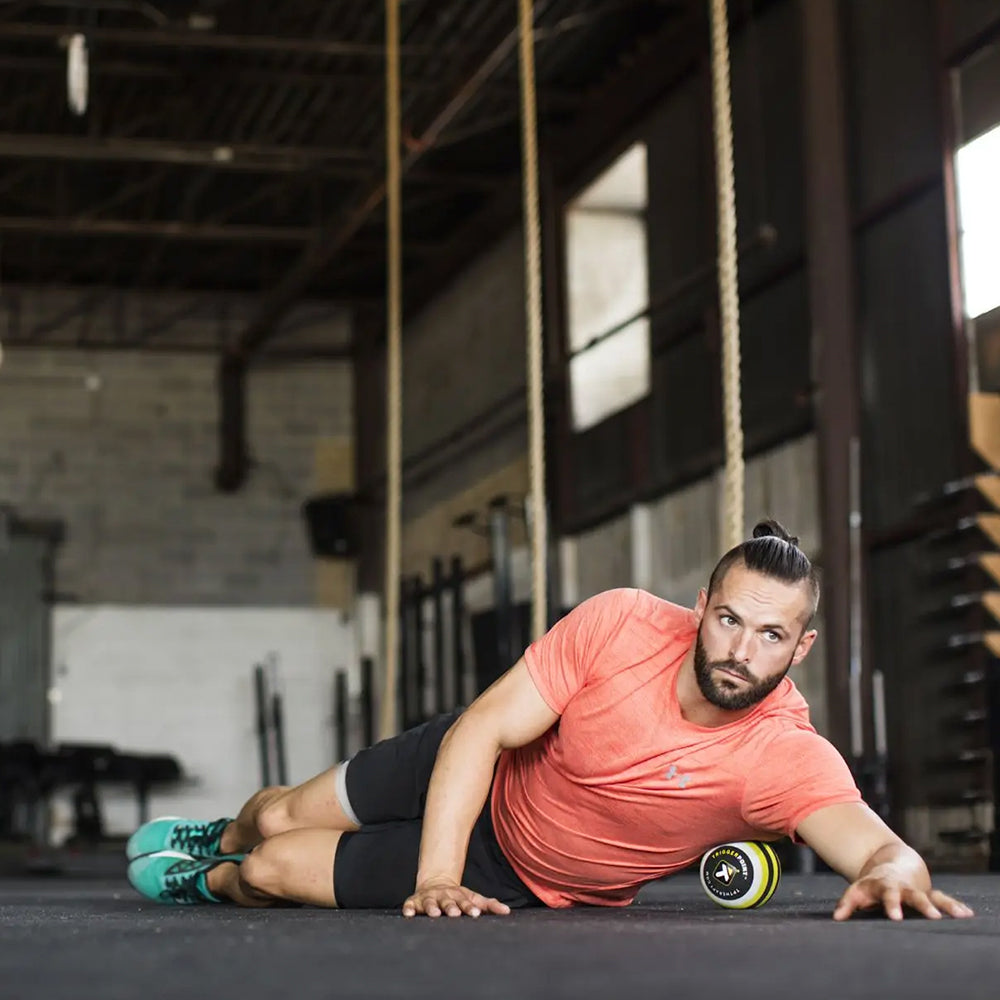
984,426
989,562
989,525
989,488
991,601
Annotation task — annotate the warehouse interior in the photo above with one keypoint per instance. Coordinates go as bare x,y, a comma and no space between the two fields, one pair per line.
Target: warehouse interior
271,481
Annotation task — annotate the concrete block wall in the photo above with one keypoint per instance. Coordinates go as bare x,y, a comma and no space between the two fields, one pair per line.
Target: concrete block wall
121,447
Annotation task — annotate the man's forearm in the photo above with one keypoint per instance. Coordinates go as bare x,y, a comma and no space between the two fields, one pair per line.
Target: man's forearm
899,859
458,788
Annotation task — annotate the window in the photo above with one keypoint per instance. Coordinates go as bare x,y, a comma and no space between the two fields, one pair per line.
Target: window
977,168
608,291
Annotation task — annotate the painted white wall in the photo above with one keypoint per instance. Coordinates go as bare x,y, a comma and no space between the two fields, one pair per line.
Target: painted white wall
180,681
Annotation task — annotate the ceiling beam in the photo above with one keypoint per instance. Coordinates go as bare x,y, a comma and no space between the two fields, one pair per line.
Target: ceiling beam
173,38
550,98
13,290
269,359
358,164
195,232
219,155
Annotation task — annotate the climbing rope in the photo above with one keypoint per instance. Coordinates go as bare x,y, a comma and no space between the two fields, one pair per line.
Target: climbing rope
533,288
394,376
729,299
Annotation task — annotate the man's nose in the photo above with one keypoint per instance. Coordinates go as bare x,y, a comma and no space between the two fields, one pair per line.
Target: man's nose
743,650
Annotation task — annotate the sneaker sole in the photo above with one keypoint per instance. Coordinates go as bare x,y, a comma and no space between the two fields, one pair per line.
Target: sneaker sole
156,819
159,854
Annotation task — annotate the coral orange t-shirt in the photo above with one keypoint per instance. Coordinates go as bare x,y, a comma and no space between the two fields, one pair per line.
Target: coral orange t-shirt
622,789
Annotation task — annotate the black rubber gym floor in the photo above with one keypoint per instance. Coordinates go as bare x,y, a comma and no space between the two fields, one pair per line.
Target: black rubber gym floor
73,938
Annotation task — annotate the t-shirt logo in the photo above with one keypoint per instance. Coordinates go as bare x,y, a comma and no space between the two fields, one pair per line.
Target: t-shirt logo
725,873
671,773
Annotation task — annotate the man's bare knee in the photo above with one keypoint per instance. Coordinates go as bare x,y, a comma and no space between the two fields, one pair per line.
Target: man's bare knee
296,867
260,874
274,815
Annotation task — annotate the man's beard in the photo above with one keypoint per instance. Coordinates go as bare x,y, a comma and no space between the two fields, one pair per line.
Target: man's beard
732,699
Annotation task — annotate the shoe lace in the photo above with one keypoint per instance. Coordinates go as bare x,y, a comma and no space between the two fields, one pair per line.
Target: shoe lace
199,838
180,883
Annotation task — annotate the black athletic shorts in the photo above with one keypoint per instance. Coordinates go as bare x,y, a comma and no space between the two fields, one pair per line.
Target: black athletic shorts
376,867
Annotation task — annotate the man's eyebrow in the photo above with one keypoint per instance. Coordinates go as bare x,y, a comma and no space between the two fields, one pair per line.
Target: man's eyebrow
732,614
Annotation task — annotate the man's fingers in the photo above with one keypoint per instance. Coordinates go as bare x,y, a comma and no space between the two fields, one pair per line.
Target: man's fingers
892,895
487,904
892,904
453,903
920,902
951,906
852,900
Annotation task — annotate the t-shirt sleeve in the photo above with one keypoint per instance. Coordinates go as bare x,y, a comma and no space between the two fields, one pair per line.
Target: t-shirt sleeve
798,773
562,660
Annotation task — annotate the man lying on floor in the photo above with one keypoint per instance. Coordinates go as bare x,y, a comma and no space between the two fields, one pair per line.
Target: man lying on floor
634,736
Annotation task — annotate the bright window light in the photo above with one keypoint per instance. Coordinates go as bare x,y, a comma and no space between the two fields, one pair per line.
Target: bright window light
977,178
610,376
606,260
607,288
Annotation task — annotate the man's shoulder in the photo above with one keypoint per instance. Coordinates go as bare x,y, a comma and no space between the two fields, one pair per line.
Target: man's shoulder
631,612
786,728
636,603
785,711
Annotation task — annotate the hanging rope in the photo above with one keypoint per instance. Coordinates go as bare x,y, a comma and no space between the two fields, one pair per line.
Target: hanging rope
729,299
538,520
394,377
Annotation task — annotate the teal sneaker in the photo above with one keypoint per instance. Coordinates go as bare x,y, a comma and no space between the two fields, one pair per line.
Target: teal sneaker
174,878
172,833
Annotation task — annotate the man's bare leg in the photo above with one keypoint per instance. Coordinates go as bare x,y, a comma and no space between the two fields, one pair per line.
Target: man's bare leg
314,805
292,867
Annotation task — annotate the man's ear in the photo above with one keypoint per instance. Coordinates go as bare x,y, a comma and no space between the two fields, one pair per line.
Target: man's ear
701,604
804,645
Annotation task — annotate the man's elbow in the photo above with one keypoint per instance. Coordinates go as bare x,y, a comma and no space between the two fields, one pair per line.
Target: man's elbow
468,727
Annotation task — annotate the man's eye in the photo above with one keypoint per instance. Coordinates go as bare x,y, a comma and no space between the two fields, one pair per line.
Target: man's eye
773,636
727,620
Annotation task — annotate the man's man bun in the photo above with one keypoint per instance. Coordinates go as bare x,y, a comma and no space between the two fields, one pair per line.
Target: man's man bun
772,529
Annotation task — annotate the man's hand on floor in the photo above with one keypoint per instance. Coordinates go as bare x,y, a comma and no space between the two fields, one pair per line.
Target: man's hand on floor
892,893
435,899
